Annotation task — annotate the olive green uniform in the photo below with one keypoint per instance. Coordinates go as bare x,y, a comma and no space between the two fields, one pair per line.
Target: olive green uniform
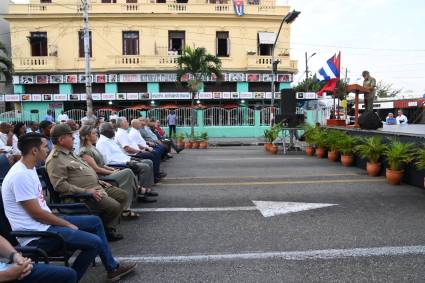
69,174
368,101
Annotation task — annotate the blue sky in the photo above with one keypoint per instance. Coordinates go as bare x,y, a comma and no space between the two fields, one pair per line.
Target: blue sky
386,37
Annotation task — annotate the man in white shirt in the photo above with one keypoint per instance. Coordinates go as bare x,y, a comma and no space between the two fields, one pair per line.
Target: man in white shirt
401,118
63,118
6,133
132,146
75,135
26,209
113,154
113,116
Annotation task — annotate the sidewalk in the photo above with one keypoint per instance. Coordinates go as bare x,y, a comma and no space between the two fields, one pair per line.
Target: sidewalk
236,141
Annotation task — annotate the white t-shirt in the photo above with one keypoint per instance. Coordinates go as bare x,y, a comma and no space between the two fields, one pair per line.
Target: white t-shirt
113,117
3,138
21,184
122,138
401,120
76,146
137,138
111,151
63,118
15,149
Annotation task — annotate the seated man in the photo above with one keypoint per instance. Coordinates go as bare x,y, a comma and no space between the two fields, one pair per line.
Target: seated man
130,145
390,120
69,174
26,208
21,269
45,127
401,118
75,134
114,155
150,138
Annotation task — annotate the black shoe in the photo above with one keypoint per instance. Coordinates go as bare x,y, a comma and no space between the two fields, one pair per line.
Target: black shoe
145,199
179,149
113,236
162,175
151,194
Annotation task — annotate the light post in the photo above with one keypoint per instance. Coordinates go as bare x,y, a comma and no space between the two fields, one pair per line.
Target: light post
289,18
307,58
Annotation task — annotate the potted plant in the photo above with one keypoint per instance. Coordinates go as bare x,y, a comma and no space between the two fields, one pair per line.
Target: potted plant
204,140
196,141
346,145
180,140
309,132
397,155
189,141
332,139
320,142
371,149
269,139
420,162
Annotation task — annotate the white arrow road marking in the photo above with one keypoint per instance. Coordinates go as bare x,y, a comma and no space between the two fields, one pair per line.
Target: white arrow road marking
267,208
292,255
273,208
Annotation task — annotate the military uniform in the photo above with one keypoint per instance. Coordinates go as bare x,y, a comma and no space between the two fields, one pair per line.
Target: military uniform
69,174
370,84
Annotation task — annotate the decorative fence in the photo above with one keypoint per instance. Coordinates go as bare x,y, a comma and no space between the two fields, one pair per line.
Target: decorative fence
75,114
241,116
130,114
265,115
184,116
18,116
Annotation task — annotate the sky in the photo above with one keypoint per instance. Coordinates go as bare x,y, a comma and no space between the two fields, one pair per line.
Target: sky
385,37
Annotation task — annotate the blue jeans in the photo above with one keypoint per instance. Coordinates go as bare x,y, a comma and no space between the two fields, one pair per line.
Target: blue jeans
42,273
90,239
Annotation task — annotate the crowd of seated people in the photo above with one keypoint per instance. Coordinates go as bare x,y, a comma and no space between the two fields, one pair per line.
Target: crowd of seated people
107,170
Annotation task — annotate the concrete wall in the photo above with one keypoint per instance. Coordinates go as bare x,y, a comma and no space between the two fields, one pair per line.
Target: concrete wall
5,39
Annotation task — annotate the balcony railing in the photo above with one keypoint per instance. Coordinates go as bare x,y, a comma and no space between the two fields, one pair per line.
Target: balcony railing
255,62
252,7
35,63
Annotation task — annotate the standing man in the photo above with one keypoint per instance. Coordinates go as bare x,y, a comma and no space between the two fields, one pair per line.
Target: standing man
401,118
63,118
172,122
75,135
49,116
369,83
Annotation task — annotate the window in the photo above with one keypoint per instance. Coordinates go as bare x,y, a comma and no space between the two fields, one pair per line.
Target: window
131,1
265,43
109,1
130,43
45,1
81,44
38,42
222,44
176,41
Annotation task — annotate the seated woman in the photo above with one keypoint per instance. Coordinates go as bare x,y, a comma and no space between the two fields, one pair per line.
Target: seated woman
160,133
390,120
124,178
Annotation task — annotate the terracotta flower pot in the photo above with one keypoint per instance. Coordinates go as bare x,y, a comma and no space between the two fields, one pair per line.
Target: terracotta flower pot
373,169
321,152
203,145
309,150
188,144
394,177
274,149
267,146
347,160
333,155
180,144
195,145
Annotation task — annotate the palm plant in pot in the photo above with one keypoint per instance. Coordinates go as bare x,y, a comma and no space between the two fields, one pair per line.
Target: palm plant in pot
180,140
397,154
346,145
268,135
309,133
204,140
371,149
332,139
320,142
196,141
189,141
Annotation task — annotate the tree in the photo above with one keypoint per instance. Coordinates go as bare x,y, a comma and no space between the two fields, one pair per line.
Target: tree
195,64
309,85
6,66
386,90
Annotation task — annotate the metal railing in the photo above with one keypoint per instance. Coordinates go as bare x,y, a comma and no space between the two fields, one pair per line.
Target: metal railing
130,114
241,116
75,114
16,116
265,115
183,115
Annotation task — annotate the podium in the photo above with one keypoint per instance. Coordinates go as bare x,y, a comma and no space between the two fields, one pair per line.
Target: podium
357,89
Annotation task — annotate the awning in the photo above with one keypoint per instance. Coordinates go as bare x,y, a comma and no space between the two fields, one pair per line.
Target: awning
140,107
169,106
266,37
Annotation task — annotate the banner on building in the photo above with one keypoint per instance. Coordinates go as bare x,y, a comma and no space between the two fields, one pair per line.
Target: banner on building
56,79
60,97
144,96
100,78
108,96
12,98
47,97
42,79
121,96
130,78
245,95
27,80
170,95
132,96
26,97
74,97
36,97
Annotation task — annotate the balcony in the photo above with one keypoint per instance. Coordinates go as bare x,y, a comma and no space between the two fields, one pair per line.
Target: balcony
23,64
255,62
145,62
252,7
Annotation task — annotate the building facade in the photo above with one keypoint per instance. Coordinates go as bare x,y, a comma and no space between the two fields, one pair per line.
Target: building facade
5,39
134,49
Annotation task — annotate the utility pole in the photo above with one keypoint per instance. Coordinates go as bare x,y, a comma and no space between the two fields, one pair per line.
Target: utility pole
306,66
87,67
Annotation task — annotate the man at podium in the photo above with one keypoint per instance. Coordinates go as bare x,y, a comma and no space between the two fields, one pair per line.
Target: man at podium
369,83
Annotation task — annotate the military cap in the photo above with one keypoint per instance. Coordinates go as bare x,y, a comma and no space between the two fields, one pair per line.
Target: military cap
60,130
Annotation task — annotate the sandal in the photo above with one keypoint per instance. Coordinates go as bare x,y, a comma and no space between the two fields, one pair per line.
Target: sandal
128,214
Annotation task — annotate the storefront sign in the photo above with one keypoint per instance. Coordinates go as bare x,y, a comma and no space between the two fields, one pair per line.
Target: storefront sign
56,79
129,78
47,97
26,97
74,97
132,96
100,78
108,96
205,95
245,95
42,79
27,80
170,95
60,97
121,96
12,97
36,97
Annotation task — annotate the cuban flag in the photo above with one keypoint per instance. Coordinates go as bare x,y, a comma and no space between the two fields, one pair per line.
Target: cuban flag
238,5
330,72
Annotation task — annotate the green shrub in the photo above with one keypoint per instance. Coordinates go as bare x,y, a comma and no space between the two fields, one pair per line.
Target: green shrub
398,154
371,149
347,144
420,163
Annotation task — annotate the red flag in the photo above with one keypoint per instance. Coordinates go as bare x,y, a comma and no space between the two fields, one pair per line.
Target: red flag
331,84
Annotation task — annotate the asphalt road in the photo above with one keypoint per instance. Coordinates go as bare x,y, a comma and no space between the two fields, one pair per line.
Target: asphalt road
373,233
